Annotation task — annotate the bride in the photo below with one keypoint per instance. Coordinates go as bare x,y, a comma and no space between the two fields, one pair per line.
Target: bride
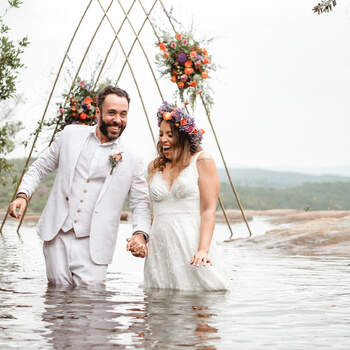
184,187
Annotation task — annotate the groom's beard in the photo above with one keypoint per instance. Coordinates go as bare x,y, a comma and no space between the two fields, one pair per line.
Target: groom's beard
104,129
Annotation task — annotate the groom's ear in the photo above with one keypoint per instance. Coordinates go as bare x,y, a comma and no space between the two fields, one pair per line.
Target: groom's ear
98,113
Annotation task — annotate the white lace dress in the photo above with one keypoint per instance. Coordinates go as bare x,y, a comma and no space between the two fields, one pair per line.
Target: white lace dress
175,236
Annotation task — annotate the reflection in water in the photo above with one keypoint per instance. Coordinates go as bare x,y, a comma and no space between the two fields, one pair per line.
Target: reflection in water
97,318
187,318
79,318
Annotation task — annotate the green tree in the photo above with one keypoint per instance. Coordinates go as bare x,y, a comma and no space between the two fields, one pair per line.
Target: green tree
10,66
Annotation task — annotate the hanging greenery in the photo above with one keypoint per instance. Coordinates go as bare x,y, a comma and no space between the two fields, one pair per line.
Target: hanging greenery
187,64
324,6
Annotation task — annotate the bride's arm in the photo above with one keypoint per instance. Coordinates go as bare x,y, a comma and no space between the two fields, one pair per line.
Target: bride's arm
209,187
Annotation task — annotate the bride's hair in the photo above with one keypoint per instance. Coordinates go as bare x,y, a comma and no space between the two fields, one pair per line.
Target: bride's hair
182,151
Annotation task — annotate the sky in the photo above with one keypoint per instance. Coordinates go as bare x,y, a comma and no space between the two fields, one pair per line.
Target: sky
281,88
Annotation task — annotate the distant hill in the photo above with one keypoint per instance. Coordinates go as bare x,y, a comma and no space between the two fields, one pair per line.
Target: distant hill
275,179
308,196
257,188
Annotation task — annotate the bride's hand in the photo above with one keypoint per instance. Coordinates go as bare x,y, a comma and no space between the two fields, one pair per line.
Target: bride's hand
201,257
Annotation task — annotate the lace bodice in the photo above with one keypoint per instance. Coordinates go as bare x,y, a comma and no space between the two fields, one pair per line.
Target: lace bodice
182,197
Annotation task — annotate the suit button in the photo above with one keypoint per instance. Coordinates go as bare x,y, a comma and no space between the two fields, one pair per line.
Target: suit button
84,191
67,198
78,211
87,180
75,221
81,201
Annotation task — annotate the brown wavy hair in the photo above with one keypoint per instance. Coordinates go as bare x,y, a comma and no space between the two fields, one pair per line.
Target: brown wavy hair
183,151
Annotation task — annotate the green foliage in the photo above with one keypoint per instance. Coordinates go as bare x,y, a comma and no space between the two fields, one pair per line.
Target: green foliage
324,6
10,66
7,132
10,59
41,195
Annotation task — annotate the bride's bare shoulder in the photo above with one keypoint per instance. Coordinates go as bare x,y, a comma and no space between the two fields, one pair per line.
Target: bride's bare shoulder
204,155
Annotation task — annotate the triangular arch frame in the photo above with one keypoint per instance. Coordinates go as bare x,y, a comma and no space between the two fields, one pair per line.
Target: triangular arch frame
126,62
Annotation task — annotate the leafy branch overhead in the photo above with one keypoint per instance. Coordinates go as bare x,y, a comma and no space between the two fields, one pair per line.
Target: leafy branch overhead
324,6
10,66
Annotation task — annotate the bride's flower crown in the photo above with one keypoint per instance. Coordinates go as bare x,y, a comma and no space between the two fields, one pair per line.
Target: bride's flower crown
182,120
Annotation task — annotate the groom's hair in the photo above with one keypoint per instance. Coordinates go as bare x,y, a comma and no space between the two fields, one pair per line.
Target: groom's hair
110,89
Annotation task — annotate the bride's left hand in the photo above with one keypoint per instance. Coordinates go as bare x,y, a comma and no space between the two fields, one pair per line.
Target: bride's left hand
201,257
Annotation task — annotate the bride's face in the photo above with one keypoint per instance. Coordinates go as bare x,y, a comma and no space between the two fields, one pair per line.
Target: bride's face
166,140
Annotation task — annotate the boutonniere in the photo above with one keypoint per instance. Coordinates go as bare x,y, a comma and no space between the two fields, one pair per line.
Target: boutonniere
114,160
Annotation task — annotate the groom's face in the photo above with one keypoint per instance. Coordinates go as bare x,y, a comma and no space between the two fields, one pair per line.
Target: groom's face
112,116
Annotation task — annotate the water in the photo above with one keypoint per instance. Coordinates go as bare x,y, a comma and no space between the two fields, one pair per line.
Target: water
276,301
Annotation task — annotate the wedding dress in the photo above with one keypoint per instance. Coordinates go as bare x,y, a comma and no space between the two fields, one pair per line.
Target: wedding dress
175,236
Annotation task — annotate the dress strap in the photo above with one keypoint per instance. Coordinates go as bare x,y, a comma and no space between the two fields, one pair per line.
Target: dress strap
194,162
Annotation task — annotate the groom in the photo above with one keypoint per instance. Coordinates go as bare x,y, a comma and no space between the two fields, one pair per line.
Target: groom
96,170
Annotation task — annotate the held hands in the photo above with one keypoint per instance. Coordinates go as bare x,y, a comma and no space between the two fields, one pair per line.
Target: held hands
137,245
20,204
201,258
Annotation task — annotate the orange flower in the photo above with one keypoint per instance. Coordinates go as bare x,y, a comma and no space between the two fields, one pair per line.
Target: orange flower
186,103
195,131
74,114
189,71
178,36
205,74
73,108
167,116
206,60
87,100
193,54
162,46
173,78
183,122
202,131
166,54
180,84
83,115
193,83
188,64
205,52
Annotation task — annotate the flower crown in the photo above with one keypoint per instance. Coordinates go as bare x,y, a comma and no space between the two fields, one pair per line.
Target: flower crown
182,120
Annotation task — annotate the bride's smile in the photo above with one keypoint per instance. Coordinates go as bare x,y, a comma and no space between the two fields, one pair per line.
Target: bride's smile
166,139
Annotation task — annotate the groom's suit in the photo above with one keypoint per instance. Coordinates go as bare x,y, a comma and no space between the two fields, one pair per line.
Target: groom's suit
127,179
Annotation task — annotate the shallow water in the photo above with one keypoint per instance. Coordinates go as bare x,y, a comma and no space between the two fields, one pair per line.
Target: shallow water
276,301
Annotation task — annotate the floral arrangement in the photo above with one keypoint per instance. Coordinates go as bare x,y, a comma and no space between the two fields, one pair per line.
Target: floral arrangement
81,106
182,120
187,63
114,159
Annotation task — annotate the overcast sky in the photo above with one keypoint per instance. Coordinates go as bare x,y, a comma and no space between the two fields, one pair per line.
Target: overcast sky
281,90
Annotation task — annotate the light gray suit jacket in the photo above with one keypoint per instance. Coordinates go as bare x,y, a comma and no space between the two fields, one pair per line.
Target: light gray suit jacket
127,179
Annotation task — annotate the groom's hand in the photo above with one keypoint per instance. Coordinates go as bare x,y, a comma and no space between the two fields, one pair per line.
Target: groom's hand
137,245
19,203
